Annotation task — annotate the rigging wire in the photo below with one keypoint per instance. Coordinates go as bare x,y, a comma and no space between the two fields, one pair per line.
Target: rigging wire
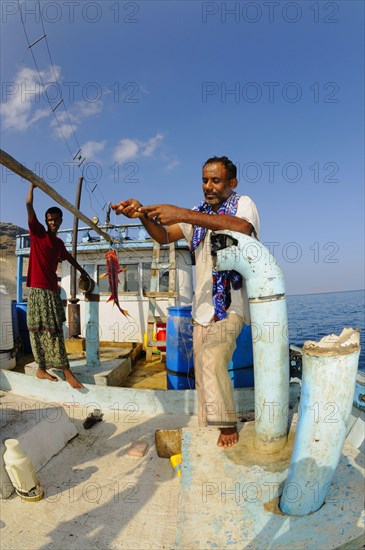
78,155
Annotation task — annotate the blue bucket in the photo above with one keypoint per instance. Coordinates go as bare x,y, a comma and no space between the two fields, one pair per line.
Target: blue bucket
240,367
179,349
21,310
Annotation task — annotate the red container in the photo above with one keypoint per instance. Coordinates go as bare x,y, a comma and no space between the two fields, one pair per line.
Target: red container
161,334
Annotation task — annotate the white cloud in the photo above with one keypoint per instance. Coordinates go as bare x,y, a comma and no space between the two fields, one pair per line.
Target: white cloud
76,113
20,111
62,130
84,109
90,149
151,145
126,149
173,163
19,108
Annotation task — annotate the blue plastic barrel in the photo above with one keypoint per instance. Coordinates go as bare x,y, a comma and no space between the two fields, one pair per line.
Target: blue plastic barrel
240,367
21,309
179,349
14,318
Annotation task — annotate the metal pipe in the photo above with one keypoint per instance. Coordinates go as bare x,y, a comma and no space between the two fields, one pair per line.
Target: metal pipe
266,293
328,387
92,327
23,172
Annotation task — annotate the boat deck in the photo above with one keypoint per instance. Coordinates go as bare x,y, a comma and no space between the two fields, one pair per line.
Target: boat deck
148,376
98,496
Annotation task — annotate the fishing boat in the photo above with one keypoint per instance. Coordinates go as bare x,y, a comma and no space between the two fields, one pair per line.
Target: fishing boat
258,494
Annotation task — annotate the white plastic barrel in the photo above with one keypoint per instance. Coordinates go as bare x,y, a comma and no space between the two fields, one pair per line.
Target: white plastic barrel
6,331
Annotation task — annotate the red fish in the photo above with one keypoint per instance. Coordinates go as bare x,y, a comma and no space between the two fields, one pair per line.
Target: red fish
112,271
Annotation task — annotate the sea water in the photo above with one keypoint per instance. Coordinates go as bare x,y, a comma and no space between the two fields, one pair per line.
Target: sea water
312,316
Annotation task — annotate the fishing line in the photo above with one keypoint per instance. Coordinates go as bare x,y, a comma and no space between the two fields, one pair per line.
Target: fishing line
60,100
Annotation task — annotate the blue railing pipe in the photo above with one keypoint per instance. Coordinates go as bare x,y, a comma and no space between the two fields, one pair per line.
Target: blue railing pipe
328,387
266,294
92,299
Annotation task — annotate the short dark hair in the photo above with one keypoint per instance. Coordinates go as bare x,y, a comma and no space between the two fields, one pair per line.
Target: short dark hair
230,167
54,210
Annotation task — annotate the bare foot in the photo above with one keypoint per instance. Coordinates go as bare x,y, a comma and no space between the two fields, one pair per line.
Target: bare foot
70,378
228,437
44,375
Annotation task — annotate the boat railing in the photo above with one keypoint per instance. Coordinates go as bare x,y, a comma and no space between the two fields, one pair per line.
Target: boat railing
126,235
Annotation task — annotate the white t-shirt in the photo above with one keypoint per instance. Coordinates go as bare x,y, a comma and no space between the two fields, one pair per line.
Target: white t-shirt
203,308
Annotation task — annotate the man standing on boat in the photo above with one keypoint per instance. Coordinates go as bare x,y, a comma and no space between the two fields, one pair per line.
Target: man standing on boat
45,313
220,305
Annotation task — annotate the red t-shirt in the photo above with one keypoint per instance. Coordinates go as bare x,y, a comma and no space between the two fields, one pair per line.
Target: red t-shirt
45,252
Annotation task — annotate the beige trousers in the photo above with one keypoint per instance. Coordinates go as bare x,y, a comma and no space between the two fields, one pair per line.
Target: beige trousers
213,349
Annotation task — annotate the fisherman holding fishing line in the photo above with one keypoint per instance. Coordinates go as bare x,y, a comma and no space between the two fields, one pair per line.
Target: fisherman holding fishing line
220,304
45,313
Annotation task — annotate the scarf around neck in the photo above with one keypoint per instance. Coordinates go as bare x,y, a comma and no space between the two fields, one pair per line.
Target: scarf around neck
222,280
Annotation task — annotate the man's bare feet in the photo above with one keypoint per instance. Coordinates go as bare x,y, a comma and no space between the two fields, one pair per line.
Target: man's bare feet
228,437
70,378
44,375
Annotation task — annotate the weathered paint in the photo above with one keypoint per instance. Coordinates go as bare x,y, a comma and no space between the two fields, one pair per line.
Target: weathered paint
266,293
328,386
228,500
92,329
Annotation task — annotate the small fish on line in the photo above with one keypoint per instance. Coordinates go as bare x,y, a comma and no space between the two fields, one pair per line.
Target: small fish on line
112,271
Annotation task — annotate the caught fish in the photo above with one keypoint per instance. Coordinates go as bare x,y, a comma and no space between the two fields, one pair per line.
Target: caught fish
112,271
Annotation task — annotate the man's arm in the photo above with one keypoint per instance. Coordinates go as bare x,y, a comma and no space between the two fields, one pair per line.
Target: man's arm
161,220
167,214
29,203
76,265
131,208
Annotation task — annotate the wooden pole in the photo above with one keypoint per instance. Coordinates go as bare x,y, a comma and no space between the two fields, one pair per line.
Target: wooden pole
23,172
74,321
74,239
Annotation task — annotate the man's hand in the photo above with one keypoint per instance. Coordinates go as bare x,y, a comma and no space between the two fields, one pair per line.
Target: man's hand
130,208
165,214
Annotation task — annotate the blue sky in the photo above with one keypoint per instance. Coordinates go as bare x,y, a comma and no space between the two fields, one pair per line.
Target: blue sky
152,89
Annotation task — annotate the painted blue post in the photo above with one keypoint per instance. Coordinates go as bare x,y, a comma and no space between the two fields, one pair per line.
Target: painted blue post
19,279
92,328
328,386
266,293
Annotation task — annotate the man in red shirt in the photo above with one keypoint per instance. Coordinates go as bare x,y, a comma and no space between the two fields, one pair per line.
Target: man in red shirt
45,313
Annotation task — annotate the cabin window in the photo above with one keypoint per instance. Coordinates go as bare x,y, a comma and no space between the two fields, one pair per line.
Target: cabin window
103,283
131,279
146,278
128,279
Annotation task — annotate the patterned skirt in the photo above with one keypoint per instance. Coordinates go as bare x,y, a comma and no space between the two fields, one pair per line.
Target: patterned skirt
45,317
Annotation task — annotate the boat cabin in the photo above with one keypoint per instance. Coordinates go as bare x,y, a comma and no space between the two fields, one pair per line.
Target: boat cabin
152,272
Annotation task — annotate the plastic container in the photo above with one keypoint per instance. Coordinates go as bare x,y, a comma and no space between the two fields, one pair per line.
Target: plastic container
7,361
175,461
21,309
161,334
179,349
14,317
21,472
240,367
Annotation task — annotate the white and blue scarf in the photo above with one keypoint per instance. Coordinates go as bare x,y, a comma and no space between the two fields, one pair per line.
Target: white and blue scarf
222,280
